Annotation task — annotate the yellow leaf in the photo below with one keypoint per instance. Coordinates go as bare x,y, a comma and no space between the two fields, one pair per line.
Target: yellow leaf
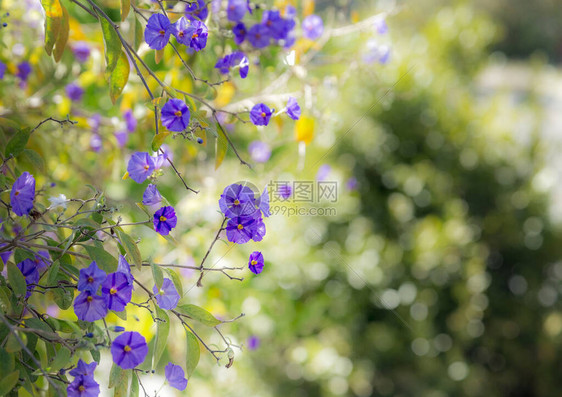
119,77
62,38
53,20
304,129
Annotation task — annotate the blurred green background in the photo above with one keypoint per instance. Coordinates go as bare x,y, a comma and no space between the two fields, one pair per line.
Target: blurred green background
440,272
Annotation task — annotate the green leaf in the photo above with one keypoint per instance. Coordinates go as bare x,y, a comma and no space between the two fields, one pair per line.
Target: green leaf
5,304
199,314
104,260
8,382
193,353
17,143
53,273
122,387
61,359
176,280
16,280
53,22
12,344
162,331
34,159
157,274
63,297
134,386
119,77
115,375
122,314
6,362
131,249
96,356
125,8
159,139
139,33
21,255
112,44
62,37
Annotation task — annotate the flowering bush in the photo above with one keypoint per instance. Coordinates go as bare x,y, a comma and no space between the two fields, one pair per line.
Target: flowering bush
73,267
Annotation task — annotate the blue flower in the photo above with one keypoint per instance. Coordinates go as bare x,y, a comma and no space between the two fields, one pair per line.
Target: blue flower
197,34
165,220
259,36
175,376
24,69
130,120
236,9
312,27
259,151
157,32
241,229
239,31
91,278
23,194
293,108
89,307
3,68
129,350
117,291
167,296
237,200
74,92
175,115
151,195
83,386
140,166
260,114
197,10
83,369
81,51
256,262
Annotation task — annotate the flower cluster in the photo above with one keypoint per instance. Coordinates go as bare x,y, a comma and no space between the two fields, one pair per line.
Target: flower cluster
260,114
83,384
116,291
244,212
190,32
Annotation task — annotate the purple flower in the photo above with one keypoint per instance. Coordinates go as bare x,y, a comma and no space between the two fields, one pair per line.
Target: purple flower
255,262
81,51
285,191
129,349
124,267
259,151
290,12
83,386
117,291
277,26
351,183
42,259
197,34
5,255
130,120
175,376
239,31
376,53
122,137
260,114
94,122
151,195
239,60
293,108
24,69
240,230
197,10
89,307
237,200
263,203
253,342
180,30
96,142
90,278
165,220
259,36
223,64
83,369
323,172
157,32
74,92
312,27
167,296
259,230
23,194
236,9
380,25
3,68
29,270
140,166
175,115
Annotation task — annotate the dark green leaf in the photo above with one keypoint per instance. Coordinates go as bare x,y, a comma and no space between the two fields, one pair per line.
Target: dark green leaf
34,159
16,280
61,359
63,297
17,143
199,314
115,375
52,274
157,274
104,260
6,362
8,382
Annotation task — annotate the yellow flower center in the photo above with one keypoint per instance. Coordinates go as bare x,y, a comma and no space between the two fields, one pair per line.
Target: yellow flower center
195,35
177,113
163,218
180,33
17,193
146,167
236,202
90,279
127,348
240,227
263,114
81,388
112,291
162,32
89,299
254,262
